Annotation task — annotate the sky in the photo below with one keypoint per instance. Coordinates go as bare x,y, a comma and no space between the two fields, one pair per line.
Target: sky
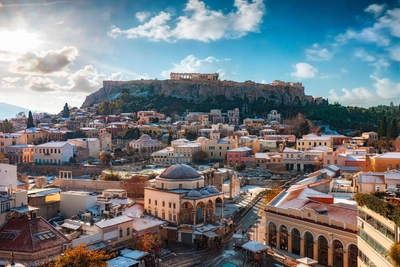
57,52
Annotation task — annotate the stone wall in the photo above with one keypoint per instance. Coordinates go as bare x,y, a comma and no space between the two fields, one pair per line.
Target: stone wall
54,169
89,185
264,183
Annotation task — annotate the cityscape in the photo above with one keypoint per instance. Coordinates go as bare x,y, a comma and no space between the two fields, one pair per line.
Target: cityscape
275,141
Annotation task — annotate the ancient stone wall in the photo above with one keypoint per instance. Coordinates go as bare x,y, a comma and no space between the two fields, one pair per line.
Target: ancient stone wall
89,185
54,169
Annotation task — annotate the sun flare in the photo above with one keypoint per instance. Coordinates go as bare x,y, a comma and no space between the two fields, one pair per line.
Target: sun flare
18,41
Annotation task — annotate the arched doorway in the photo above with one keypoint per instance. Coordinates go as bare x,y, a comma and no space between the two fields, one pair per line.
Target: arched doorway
199,211
323,250
296,241
272,234
337,253
353,252
308,245
284,237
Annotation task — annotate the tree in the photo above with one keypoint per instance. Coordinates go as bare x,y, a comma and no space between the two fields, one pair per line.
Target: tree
105,157
304,127
396,144
199,156
79,134
143,150
6,126
30,123
20,115
147,242
169,138
382,132
112,176
82,256
65,112
394,253
135,186
393,130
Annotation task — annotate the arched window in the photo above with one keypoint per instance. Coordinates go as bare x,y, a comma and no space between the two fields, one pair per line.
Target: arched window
323,250
337,253
162,185
296,241
352,252
180,186
197,185
272,234
308,245
284,237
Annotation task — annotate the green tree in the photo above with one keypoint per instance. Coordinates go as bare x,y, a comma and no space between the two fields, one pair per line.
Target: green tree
393,130
6,126
382,132
304,127
65,112
199,156
112,176
79,134
169,138
30,123
82,256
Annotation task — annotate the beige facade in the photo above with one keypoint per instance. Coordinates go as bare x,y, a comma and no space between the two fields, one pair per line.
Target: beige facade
20,153
181,198
7,140
54,153
376,234
308,227
116,231
312,140
93,144
216,149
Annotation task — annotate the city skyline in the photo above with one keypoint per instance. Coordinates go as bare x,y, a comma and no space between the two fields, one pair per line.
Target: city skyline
54,52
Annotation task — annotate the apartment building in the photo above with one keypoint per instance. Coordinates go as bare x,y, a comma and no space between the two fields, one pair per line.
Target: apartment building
54,153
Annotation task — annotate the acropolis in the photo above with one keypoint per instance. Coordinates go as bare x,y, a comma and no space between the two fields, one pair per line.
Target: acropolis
194,76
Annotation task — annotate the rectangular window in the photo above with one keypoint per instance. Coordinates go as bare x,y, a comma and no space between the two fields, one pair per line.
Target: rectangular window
163,215
149,201
163,203
155,202
128,231
170,217
174,206
169,204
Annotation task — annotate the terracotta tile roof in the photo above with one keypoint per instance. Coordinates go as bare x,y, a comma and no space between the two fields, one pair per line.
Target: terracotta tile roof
30,235
336,212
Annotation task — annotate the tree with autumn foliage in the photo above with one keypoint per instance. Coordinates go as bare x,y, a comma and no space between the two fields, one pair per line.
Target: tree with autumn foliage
82,256
135,186
147,242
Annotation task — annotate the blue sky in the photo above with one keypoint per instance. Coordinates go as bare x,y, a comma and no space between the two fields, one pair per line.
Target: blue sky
52,52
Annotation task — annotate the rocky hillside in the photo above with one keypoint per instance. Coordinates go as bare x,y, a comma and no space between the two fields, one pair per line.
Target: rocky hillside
282,93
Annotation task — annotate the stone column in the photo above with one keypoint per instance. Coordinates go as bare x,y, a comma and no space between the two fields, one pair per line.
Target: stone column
290,243
345,258
315,250
278,239
330,254
302,246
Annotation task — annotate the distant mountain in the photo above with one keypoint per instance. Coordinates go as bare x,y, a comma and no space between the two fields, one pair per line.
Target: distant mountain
8,111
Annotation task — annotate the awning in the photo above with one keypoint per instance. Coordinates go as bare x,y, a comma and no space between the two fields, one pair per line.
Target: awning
70,225
210,234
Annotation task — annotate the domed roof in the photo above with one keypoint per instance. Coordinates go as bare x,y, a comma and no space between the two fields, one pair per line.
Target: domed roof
193,193
212,190
179,172
204,192
144,137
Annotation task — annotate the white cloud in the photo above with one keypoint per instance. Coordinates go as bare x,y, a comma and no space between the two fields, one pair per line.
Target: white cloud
86,80
142,16
51,62
199,23
11,82
380,64
329,76
116,76
193,64
343,70
378,32
394,53
317,53
375,9
43,85
304,70
384,90
360,53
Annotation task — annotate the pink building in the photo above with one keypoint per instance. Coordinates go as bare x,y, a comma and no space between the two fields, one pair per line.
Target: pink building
240,155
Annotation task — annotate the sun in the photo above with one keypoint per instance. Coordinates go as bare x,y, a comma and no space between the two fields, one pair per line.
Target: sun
18,41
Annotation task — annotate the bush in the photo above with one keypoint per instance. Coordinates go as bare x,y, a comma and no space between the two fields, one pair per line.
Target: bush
112,176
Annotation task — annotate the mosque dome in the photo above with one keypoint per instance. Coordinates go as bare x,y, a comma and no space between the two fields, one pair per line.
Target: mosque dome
180,172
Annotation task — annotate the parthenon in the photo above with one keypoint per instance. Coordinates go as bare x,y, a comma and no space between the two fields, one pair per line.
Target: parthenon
194,76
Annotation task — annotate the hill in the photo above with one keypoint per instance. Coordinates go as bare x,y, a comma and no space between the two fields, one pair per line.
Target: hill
8,111
198,91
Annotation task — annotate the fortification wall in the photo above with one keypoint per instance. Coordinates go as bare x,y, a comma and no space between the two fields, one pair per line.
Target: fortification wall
54,169
90,185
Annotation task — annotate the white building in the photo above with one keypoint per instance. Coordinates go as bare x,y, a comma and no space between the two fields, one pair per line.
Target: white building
54,153
8,175
75,202
93,144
